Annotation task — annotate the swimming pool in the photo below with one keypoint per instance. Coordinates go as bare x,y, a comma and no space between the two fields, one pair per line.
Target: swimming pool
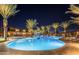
37,43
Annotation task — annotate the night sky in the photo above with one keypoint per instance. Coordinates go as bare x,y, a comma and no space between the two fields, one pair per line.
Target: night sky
44,14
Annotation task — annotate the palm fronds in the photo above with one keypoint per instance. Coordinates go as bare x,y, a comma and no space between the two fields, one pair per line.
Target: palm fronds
30,23
73,9
6,10
65,25
55,26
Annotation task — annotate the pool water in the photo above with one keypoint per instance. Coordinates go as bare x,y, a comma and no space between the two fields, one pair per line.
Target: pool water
37,43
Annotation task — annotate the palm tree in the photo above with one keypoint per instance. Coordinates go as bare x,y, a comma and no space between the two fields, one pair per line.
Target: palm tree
55,26
74,10
65,25
30,24
42,29
48,28
7,10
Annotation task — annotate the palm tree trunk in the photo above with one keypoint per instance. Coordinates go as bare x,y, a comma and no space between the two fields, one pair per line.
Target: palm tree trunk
30,31
64,31
5,28
48,32
5,33
55,31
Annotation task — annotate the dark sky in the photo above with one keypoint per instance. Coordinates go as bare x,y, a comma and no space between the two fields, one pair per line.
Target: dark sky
44,14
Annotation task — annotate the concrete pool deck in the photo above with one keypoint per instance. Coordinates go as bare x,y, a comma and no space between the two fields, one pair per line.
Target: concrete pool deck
70,48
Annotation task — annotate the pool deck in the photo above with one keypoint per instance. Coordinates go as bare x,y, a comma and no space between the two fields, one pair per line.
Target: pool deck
70,48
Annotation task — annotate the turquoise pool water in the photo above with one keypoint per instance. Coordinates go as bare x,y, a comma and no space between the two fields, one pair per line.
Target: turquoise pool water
36,43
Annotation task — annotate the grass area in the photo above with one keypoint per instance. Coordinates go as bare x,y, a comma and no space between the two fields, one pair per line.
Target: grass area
2,39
